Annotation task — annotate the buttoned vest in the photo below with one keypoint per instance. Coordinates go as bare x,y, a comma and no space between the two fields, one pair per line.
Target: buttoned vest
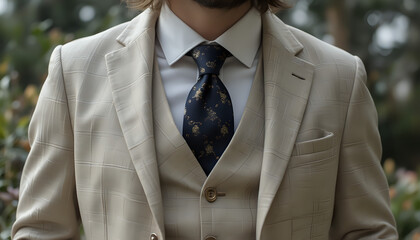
222,205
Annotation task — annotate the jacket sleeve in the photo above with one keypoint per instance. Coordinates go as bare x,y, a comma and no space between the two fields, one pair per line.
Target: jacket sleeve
47,207
362,210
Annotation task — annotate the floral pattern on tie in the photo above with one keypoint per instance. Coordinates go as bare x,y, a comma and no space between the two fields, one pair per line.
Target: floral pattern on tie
208,117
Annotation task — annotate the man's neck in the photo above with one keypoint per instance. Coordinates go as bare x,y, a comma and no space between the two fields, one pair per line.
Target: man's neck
210,23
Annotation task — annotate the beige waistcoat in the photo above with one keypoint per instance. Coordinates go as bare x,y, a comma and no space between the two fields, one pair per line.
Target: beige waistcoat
188,215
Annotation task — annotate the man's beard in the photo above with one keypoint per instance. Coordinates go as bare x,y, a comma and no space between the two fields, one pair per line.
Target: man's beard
221,4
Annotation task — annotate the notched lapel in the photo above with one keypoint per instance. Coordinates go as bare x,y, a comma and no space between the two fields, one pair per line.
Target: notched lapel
130,74
287,84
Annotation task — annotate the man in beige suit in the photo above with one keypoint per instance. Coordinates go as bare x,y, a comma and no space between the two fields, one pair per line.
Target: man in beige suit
108,154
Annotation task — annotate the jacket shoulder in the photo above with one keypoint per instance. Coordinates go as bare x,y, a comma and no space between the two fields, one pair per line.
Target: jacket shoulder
92,47
319,52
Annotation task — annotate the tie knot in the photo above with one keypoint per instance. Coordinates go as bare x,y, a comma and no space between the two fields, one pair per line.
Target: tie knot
209,58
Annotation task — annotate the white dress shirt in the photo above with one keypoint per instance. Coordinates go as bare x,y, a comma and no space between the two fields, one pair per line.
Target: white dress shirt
179,72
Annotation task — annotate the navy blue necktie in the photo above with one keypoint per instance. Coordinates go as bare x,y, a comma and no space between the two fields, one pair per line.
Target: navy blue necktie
208,119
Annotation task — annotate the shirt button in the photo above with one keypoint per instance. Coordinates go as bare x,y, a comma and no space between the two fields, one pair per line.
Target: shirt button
211,196
210,238
154,236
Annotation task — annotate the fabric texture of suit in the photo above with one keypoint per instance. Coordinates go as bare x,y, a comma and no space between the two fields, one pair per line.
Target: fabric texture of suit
93,155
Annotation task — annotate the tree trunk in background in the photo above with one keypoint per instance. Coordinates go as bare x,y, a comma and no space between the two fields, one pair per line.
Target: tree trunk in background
336,15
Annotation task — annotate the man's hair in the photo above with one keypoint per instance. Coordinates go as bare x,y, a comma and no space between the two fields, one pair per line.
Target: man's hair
261,5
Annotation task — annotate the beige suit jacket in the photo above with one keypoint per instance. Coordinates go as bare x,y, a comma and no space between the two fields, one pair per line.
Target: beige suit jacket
93,158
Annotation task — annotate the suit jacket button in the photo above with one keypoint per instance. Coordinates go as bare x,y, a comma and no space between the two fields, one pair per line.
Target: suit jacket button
154,237
210,238
211,196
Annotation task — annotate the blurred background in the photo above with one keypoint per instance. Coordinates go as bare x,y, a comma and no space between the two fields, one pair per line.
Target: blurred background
384,33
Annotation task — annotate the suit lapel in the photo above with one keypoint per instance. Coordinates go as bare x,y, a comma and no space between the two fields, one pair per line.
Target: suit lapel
287,83
130,75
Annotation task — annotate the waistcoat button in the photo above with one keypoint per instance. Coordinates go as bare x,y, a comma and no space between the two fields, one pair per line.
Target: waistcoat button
210,238
211,196
154,237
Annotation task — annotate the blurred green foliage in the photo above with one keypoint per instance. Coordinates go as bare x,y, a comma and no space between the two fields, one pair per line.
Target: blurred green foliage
404,192
384,33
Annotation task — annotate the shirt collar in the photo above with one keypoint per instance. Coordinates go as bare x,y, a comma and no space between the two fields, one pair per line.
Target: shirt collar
177,38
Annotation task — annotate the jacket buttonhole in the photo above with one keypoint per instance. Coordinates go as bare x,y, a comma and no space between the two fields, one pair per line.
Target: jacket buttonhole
301,78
